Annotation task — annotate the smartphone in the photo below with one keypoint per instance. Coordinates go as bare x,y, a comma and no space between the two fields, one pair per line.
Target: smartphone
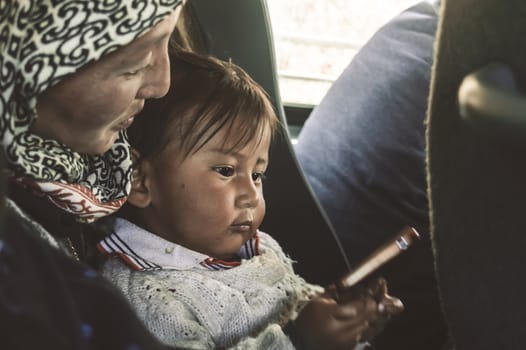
401,242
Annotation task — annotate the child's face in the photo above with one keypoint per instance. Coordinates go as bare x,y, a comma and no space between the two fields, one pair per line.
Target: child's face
212,201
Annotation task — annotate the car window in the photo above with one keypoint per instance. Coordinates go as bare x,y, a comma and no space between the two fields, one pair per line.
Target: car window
315,40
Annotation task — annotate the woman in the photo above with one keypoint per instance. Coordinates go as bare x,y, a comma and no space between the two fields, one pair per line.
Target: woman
72,76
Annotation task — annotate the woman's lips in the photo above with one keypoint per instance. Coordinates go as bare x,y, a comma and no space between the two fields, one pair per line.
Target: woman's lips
126,123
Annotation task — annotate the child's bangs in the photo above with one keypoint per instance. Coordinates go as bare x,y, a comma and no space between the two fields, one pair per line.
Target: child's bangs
243,114
245,124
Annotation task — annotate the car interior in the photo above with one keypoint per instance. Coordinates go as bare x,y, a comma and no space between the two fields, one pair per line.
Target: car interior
475,132
475,140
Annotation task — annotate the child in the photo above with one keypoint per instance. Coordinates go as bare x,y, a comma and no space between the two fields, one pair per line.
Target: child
192,261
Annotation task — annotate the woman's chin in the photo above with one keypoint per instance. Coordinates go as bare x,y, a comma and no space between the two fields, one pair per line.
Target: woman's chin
99,146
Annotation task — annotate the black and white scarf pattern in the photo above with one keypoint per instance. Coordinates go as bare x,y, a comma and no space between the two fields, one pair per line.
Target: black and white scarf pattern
41,41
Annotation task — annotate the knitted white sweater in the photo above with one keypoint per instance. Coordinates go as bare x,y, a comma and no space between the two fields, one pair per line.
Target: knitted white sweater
242,307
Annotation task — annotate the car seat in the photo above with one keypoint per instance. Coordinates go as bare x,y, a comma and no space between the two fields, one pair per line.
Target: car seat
477,171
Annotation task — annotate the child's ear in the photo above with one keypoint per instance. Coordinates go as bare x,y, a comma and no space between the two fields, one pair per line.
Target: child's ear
140,191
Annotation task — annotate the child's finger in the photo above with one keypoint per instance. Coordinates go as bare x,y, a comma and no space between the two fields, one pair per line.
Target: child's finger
352,335
363,309
390,306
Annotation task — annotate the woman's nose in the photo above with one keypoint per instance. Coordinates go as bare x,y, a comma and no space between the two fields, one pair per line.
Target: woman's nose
157,79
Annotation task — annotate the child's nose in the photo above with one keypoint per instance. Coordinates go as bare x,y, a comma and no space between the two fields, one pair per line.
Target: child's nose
249,195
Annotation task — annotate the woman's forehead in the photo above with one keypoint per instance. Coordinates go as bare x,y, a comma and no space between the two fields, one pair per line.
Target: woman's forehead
158,32
152,37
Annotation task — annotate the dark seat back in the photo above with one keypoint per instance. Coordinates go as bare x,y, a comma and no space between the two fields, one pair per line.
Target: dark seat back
478,181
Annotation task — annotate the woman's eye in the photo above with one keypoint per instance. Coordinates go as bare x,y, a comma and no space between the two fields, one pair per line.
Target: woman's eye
257,177
135,71
224,171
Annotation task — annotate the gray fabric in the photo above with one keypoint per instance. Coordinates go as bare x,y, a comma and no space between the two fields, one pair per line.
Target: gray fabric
365,141
32,226
362,150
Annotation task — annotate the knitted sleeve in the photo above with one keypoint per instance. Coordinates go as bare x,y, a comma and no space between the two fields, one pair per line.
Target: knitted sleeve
271,338
169,318
303,291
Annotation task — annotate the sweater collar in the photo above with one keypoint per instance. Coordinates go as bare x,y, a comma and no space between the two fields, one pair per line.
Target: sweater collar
144,251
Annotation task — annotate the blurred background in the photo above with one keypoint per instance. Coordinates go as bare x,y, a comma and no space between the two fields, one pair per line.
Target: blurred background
315,40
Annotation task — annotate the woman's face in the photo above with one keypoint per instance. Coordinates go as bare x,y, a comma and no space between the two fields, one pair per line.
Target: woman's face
87,109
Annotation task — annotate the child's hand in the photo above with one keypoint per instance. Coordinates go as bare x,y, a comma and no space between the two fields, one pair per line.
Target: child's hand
387,305
326,324
339,320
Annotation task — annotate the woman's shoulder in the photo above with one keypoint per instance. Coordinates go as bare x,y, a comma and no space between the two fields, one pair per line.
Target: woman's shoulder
19,219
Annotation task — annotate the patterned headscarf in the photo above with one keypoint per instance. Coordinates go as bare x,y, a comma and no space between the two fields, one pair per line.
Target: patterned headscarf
41,41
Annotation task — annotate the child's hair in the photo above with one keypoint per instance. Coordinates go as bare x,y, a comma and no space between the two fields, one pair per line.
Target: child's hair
205,96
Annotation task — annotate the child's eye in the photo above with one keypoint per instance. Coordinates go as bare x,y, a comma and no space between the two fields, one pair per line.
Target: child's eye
257,177
225,171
